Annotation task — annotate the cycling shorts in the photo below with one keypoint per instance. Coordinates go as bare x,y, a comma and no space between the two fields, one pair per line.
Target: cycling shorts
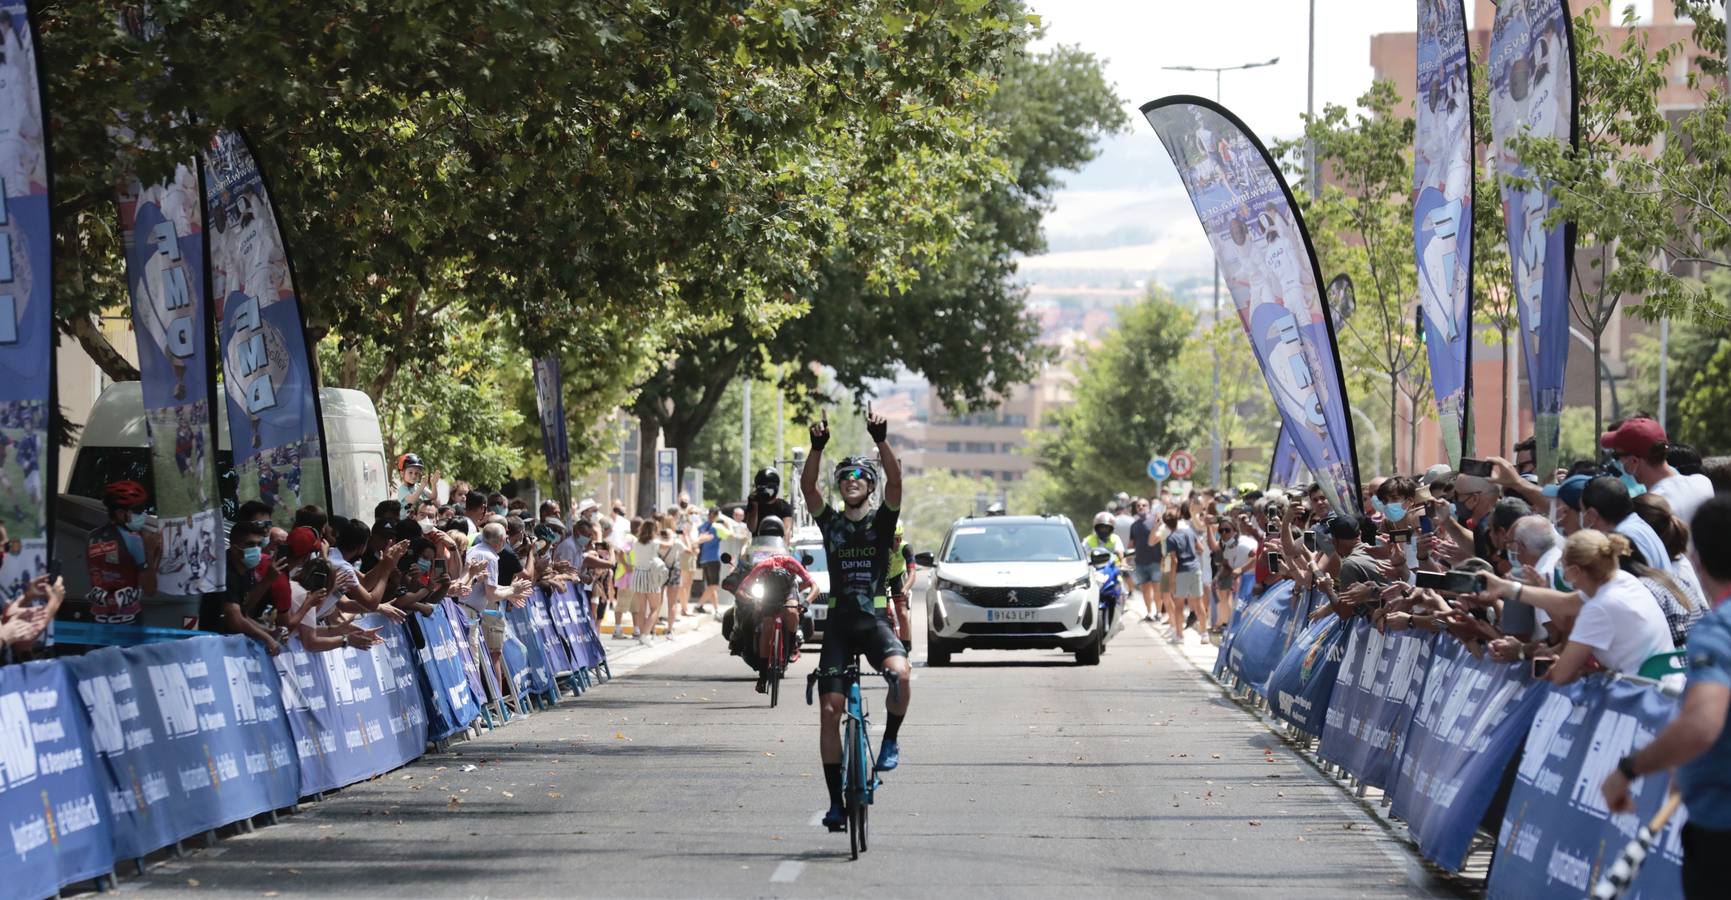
851,632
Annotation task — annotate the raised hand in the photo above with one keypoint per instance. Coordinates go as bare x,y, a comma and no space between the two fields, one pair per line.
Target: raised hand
820,433
878,427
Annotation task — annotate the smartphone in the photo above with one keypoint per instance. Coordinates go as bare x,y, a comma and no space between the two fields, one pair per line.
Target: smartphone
1367,532
1478,467
53,570
1451,582
1310,541
1273,557
439,567
316,581
1425,525
1273,528
1542,667
1400,536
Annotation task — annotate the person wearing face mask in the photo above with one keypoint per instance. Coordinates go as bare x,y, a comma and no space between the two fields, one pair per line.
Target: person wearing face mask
122,556
240,609
1607,506
1641,448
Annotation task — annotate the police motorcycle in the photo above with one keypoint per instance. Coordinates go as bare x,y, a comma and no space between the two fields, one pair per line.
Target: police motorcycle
1111,595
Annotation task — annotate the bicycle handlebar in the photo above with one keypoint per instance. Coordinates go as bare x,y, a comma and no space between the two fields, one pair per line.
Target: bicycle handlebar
851,672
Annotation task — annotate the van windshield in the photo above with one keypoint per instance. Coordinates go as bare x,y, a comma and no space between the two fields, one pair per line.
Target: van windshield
98,467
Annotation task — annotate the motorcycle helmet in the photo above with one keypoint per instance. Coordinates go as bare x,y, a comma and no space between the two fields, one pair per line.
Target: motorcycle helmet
124,495
1103,518
409,461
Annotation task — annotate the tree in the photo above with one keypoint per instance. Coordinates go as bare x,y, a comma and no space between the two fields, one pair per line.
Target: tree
1699,360
1361,224
959,318
1133,394
1247,414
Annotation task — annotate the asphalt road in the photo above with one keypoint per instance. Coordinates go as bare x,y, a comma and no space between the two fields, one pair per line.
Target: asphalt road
1022,775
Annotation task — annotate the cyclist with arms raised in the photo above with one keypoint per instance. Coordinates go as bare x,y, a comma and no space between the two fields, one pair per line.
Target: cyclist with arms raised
857,542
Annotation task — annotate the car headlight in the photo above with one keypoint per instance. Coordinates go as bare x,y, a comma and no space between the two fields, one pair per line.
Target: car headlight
1083,583
944,584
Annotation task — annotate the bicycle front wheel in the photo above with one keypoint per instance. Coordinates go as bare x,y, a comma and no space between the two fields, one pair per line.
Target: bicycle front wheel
774,678
862,815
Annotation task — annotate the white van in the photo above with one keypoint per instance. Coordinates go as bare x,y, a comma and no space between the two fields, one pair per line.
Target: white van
114,446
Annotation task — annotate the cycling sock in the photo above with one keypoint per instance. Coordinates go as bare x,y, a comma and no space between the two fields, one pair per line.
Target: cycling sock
832,778
892,727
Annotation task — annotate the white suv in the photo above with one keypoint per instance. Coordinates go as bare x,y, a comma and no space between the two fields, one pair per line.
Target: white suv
1012,583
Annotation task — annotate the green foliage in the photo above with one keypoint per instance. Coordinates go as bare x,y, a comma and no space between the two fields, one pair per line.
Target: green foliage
1134,397
1361,225
959,320
1696,381
1248,418
931,501
451,409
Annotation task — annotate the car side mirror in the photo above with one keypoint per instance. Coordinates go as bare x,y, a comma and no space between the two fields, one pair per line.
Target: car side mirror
1099,557
925,559
806,559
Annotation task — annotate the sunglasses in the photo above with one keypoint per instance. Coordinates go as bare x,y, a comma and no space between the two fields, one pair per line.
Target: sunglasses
851,474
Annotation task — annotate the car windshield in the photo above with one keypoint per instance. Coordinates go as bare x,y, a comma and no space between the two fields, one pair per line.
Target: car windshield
812,556
1039,542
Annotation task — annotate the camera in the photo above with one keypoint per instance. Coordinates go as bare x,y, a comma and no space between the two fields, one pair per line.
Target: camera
315,575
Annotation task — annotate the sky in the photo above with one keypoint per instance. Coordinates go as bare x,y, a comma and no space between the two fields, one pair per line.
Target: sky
1127,209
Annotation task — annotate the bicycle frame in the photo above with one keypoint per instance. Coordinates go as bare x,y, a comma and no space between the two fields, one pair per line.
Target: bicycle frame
860,780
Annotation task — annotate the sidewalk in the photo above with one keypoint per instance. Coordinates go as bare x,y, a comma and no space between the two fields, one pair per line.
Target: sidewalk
626,654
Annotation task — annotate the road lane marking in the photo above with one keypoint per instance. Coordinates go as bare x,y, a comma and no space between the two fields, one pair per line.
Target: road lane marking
788,872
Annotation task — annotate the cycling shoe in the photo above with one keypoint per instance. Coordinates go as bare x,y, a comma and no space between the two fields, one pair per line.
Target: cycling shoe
889,756
835,819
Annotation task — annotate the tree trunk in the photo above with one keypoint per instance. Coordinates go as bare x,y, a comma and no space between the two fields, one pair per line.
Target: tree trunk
1393,428
101,351
1598,383
648,430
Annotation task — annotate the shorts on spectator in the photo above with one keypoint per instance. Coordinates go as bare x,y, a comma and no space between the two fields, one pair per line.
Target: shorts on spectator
1187,584
493,629
712,572
1145,573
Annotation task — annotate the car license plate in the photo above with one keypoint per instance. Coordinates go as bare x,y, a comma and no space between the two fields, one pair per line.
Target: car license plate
819,612
1010,615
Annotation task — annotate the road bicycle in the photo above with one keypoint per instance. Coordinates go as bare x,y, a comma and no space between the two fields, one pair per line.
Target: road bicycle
859,780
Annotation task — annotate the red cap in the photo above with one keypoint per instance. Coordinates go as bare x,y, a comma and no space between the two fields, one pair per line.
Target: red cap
1636,437
302,541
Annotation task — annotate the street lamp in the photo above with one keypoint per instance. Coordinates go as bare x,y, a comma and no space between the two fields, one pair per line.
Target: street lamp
1214,428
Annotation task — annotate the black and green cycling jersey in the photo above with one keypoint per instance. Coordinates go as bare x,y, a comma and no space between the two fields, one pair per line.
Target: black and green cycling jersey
858,553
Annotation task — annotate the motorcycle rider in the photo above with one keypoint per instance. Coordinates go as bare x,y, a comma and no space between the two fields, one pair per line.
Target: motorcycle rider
765,500
767,561
1105,537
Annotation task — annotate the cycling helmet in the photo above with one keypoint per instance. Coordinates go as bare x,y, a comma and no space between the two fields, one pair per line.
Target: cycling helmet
863,466
408,460
125,495
1104,518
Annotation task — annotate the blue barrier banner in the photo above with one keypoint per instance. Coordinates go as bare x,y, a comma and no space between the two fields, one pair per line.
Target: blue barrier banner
1299,687
1263,637
537,672
1375,693
571,618
451,705
187,736
478,672
540,610
1557,837
52,798
27,337
1472,719
354,713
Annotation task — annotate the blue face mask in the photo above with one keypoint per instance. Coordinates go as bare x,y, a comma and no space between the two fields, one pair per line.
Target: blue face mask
424,565
498,510
1636,488
1394,512
252,556
136,521
1378,506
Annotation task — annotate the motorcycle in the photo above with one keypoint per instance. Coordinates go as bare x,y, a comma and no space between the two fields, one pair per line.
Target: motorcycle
1111,602
764,629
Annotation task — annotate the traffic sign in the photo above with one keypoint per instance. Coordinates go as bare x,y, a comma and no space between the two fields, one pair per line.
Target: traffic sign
1182,464
1159,470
